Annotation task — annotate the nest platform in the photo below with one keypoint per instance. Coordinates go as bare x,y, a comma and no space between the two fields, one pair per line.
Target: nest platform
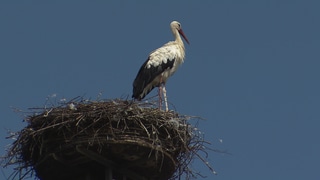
95,139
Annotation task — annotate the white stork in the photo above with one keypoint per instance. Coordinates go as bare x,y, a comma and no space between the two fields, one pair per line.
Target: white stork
160,65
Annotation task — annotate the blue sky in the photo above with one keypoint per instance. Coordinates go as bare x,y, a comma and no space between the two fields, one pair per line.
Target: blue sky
251,70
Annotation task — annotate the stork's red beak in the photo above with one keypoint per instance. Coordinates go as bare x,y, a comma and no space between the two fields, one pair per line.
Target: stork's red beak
184,36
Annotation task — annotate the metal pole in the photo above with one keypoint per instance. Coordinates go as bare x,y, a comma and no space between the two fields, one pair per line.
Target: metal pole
88,176
108,173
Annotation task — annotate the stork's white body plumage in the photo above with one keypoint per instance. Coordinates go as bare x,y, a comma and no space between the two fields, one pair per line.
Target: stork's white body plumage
160,65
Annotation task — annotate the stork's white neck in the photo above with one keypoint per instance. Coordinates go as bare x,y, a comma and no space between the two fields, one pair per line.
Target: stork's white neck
177,37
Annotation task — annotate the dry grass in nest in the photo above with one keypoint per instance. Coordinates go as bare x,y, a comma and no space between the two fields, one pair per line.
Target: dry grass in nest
135,139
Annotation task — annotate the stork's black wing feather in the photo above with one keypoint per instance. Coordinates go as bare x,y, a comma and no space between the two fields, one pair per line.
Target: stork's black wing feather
147,74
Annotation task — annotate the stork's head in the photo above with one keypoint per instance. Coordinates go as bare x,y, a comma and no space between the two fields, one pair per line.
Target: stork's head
176,26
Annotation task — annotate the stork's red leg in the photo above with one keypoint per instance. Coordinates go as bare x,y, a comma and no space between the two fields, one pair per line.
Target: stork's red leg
159,94
165,96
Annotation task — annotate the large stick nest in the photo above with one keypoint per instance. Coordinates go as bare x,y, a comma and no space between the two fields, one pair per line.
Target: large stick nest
77,137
